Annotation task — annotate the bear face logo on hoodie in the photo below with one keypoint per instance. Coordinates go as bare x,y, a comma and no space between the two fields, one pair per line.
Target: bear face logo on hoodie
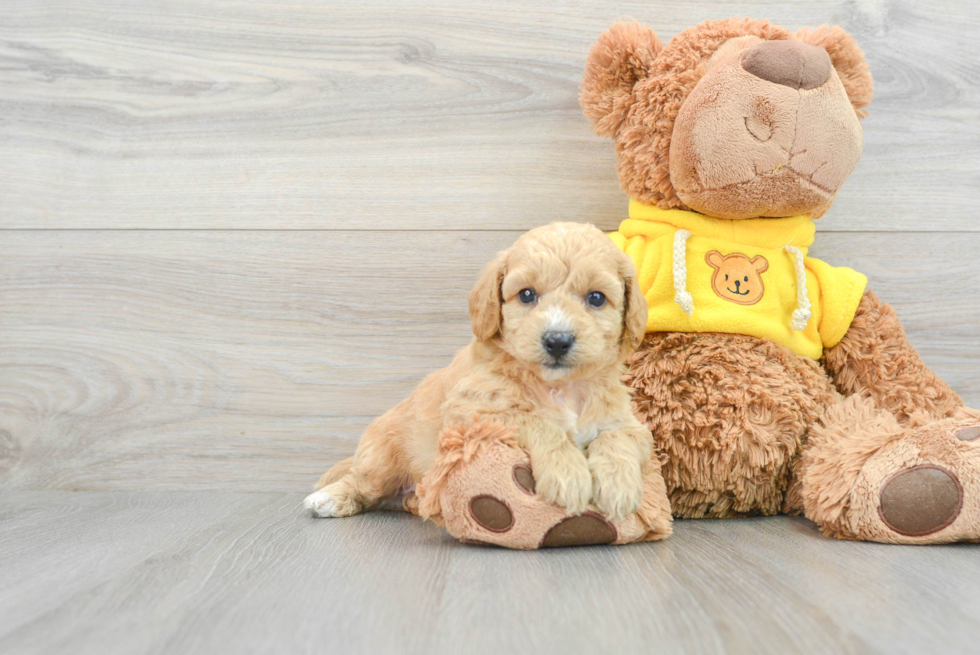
737,278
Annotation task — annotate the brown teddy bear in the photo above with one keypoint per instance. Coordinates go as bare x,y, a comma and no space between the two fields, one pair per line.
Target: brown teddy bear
772,382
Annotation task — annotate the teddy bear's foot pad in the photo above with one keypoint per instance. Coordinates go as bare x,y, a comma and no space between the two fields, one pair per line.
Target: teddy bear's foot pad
921,500
968,434
491,514
584,530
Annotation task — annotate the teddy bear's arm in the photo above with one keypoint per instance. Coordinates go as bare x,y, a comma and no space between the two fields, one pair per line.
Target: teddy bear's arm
875,357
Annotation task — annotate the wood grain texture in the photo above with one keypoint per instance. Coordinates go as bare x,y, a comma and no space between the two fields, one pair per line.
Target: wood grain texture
251,360
398,115
205,572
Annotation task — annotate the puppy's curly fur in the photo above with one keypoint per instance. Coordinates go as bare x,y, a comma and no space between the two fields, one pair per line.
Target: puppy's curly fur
571,410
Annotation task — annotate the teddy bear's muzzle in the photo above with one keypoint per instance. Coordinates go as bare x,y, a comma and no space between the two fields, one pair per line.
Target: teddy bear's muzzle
768,131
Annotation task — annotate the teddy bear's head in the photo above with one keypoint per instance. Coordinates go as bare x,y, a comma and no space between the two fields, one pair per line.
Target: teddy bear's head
735,118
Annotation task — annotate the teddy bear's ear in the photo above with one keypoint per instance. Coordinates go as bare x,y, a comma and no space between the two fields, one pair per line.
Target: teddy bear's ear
848,61
621,57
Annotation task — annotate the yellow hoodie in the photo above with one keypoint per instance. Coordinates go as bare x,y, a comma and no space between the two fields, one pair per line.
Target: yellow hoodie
750,276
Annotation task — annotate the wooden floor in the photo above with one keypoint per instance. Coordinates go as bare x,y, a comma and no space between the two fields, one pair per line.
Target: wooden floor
205,572
232,233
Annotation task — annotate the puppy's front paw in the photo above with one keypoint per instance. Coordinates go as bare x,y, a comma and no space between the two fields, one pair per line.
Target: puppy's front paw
563,477
617,486
320,503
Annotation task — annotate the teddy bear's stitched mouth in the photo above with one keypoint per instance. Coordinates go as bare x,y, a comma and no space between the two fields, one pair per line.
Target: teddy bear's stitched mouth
762,131
781,167
809,180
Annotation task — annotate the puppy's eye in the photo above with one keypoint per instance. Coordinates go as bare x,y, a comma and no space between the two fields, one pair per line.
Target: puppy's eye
746,278
726,277
596,299
527,296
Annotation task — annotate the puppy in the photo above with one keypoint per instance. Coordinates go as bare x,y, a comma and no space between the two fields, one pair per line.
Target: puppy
554,317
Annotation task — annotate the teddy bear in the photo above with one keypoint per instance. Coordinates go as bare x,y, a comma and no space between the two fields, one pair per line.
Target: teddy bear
771,381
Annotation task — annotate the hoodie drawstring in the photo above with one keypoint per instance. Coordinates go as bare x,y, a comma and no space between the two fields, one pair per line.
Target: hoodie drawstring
802,313
681,295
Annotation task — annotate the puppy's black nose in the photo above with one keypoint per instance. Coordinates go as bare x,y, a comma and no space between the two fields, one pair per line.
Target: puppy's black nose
558,343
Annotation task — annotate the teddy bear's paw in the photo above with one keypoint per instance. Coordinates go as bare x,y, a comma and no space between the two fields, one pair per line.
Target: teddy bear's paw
588,529
922,487
482,488
495,516
515,516
494,498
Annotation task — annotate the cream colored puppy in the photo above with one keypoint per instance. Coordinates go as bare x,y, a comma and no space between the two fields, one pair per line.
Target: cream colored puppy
553,318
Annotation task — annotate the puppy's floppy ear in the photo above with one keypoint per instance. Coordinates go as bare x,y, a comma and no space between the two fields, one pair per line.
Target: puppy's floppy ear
848,61
623,55
485,300
635,309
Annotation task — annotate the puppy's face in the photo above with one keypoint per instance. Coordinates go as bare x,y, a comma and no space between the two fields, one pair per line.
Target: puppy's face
563,302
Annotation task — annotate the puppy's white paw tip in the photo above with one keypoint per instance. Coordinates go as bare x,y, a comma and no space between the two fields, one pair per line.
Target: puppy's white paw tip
320,503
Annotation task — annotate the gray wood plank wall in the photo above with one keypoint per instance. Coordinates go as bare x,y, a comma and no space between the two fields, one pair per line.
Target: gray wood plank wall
232,233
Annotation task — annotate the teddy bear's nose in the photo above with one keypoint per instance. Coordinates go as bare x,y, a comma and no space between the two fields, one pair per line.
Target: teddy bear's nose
791,63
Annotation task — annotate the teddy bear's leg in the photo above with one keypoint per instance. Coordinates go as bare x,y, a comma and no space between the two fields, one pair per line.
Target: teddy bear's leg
898,460
482,490
876,358
865,476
